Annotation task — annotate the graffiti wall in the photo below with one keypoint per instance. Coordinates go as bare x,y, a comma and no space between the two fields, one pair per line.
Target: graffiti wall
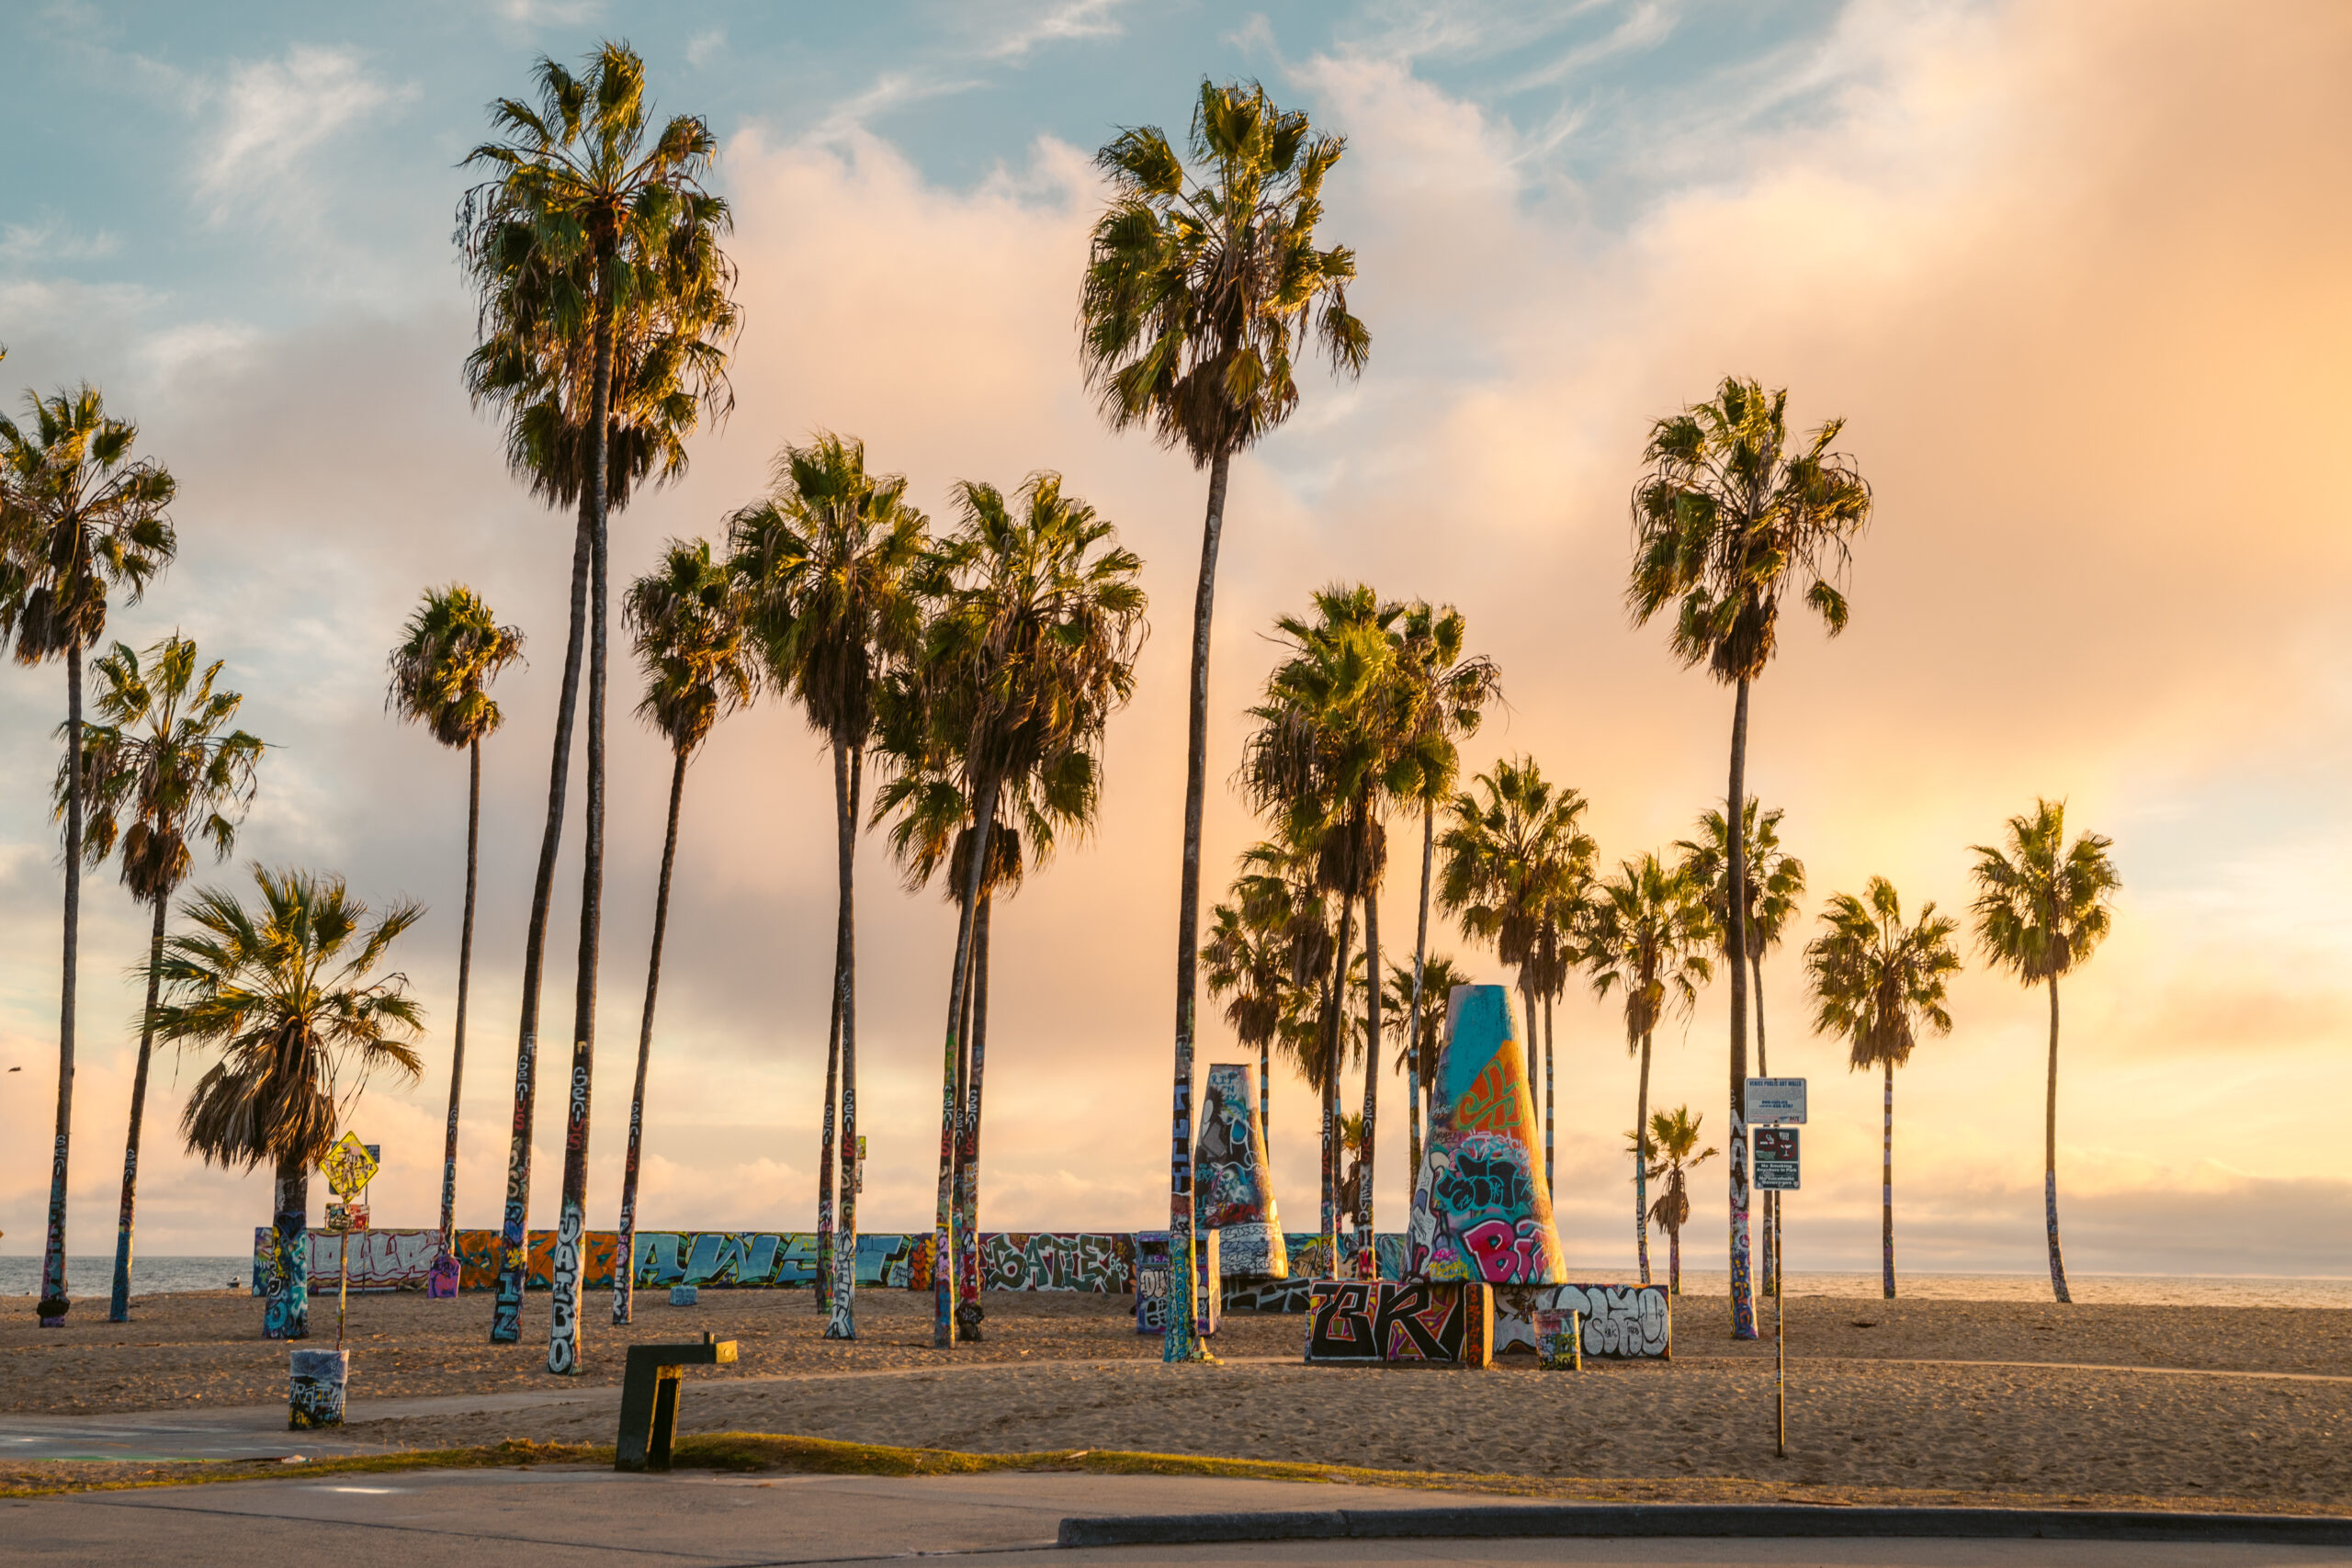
1620,1322
1481,1210
1152,1278
1099,1261
1438,1323
1234,1191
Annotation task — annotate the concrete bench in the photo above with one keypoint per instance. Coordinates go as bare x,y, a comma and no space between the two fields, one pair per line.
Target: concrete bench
649,1398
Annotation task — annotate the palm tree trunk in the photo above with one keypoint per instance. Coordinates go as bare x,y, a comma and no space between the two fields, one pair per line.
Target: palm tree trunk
1367,1237
1551,1057
1743,1300
465,980
54,1304
513,1264
1266,1099
285,1314
625,1252
1769,1275
845,830
2049,1158
1413,1019
1183,1342
1333,1060
968,1252
572,1222
1886,1186
1674,1260
119,1311
942,1255
843,1323
1642,1165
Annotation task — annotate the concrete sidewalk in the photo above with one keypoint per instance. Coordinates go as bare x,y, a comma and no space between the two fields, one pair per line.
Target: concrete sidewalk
590,1517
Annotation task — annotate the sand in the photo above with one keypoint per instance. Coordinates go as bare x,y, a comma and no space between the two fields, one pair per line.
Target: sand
2109,1401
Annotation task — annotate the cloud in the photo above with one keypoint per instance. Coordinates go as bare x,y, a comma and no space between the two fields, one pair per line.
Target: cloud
53,240
1056,23
705,47
273,113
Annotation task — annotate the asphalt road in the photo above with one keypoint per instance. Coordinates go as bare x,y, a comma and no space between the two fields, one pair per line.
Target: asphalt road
591,1517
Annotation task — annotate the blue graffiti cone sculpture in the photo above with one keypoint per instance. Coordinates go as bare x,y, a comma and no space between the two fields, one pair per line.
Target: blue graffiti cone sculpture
1481,1207
1233,1191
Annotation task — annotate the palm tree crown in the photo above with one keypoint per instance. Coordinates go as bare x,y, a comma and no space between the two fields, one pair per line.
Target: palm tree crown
78,518
1511,849
687,618
450,652
1646,938
1877,982
2042,905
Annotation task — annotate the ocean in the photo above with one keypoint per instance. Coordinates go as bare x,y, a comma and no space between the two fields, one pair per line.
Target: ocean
94,1277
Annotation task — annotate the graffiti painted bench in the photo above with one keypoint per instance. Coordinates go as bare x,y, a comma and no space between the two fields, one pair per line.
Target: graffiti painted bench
649,1398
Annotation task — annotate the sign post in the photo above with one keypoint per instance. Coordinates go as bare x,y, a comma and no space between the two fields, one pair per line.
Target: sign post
349,1166
1775,1110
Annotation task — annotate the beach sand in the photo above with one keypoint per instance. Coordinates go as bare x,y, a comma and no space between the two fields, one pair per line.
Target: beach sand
1965,1397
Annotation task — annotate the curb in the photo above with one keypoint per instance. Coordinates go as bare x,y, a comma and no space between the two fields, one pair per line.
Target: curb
1781,1520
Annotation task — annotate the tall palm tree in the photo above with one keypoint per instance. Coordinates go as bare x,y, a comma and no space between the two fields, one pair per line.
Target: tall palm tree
1775,885
827,558
1277,892
1419,996
1673,1153
79,521
289,998
1726,519
1198,300
163,769
1516,857
687,618
1248,964
2042,908
1879,983
605,307
1330,752
1450,692
1646,937
450,652
1031,647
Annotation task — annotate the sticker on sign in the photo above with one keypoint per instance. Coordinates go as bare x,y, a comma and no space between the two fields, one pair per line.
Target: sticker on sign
1774,1101
1776,1159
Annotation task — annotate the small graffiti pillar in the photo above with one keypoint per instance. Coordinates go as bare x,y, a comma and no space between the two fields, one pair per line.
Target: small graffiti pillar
1233,1188
315,1392
1481,1207
1154,1276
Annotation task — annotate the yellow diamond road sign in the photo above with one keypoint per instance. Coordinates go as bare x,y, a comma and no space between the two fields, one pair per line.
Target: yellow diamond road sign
348,1165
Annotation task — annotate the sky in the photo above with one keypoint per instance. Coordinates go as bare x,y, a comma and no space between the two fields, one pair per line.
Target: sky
2072,276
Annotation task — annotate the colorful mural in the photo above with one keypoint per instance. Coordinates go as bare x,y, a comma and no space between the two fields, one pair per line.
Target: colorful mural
1619,1322
1232,1189
1152,1279
1557,1342
1440,1322
1481,1208
314,1389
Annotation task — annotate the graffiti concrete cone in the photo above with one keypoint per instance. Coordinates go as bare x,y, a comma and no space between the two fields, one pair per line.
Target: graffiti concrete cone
1233,1188
1481,1210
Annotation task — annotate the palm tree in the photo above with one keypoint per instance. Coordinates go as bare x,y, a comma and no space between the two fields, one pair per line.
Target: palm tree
2042,908
827,558
1277,893
1672,1151
1725,519
79,519
1879,982
1248,964
687,616
1646,937
605,306
1517,857
289,998
1775,884
1330,752
452,649
1196,304
1031,647
160,772
1450,691
1551,957
1419,996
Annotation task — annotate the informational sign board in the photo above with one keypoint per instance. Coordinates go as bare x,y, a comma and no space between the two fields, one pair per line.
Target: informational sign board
349,1166
1776,1159
1772,1102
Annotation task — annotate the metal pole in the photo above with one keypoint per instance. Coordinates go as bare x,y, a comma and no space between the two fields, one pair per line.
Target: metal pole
1780,1334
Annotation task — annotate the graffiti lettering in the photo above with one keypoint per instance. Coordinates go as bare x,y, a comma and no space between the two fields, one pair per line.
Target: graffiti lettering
1448,1324
563,1331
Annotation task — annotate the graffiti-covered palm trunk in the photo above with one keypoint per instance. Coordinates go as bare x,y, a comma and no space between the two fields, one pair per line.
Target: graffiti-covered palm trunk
1743,1300
1369,1253
2049,1160
942,1253
624,1252
1674,1260
1413,1019
465,983
285,1297
1334,1060
54,1302
841,1322
1886,1187
513,1254
119,1310
1768,1273
1641,1168
572,1221
1551,1176
967,1218
827,1161
1182,1340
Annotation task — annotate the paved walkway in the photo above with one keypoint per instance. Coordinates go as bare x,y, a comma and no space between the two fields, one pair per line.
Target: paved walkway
430,1518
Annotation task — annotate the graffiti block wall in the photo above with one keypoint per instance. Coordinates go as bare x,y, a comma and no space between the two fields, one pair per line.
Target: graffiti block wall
1620,1322
1447,1323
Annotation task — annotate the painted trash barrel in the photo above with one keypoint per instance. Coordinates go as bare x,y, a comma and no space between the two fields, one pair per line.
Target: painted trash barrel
315,1389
